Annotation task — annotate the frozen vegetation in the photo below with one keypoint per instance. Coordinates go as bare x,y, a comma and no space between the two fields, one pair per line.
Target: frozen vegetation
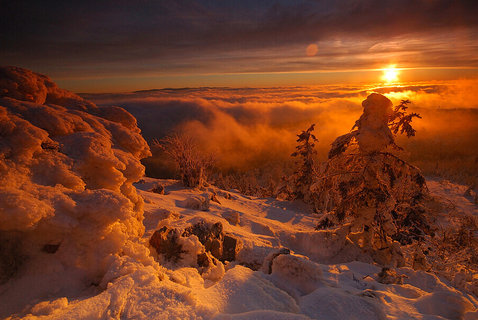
84,235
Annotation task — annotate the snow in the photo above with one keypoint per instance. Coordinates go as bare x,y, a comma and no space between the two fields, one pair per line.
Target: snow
298,287
453,195
373,132
68,209
75,227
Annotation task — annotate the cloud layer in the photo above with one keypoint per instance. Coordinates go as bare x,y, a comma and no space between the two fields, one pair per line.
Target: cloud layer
253,128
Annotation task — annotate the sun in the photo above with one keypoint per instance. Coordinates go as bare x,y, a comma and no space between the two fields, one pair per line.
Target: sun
390,74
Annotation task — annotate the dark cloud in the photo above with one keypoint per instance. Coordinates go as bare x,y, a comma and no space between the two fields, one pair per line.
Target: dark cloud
124,37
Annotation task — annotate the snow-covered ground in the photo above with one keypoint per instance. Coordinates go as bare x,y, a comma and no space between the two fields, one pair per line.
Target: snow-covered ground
291,286
459,197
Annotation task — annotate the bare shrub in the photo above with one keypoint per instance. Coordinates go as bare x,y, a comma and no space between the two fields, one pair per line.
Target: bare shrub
192,164
454,248
257,183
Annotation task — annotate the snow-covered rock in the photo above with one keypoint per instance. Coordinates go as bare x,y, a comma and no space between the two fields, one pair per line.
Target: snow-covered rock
67,203
197,202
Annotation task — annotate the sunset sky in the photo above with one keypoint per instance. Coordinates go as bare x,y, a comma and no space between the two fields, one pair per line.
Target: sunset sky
120,45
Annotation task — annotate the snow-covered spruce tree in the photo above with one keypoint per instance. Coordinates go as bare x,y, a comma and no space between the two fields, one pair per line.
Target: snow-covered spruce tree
305,152
297,186
192,164
378,195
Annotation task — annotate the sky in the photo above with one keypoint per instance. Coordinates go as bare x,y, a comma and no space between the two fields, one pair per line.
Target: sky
121,45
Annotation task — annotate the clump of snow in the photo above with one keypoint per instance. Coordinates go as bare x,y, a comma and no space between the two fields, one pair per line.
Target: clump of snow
234,293
374,135
67,204
197,202
296,275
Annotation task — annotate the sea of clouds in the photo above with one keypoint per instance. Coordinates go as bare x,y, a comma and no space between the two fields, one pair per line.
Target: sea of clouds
250,128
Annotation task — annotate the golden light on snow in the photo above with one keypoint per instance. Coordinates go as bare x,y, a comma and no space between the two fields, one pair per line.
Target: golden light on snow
390,74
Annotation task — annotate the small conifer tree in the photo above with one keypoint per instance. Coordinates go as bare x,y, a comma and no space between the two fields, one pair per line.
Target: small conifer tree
400,120
305,174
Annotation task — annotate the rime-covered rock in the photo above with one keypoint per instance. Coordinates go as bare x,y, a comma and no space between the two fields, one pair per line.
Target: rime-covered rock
211,247
207,233
230,248
166,242
233,217
67,203
198,246
158,188
25,85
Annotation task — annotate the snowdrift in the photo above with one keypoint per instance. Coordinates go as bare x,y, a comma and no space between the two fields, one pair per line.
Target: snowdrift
68,209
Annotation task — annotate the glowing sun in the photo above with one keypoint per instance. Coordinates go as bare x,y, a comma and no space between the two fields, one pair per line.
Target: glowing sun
390,74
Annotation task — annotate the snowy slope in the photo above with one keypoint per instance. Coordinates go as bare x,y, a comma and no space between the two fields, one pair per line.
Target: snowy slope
457,196
296,288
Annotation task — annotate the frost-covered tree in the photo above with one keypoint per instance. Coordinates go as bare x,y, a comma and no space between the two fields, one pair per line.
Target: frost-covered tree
376,126
192,163
305,153
379,195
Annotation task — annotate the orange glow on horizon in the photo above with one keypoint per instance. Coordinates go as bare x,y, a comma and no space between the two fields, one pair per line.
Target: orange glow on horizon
310,77
390,74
